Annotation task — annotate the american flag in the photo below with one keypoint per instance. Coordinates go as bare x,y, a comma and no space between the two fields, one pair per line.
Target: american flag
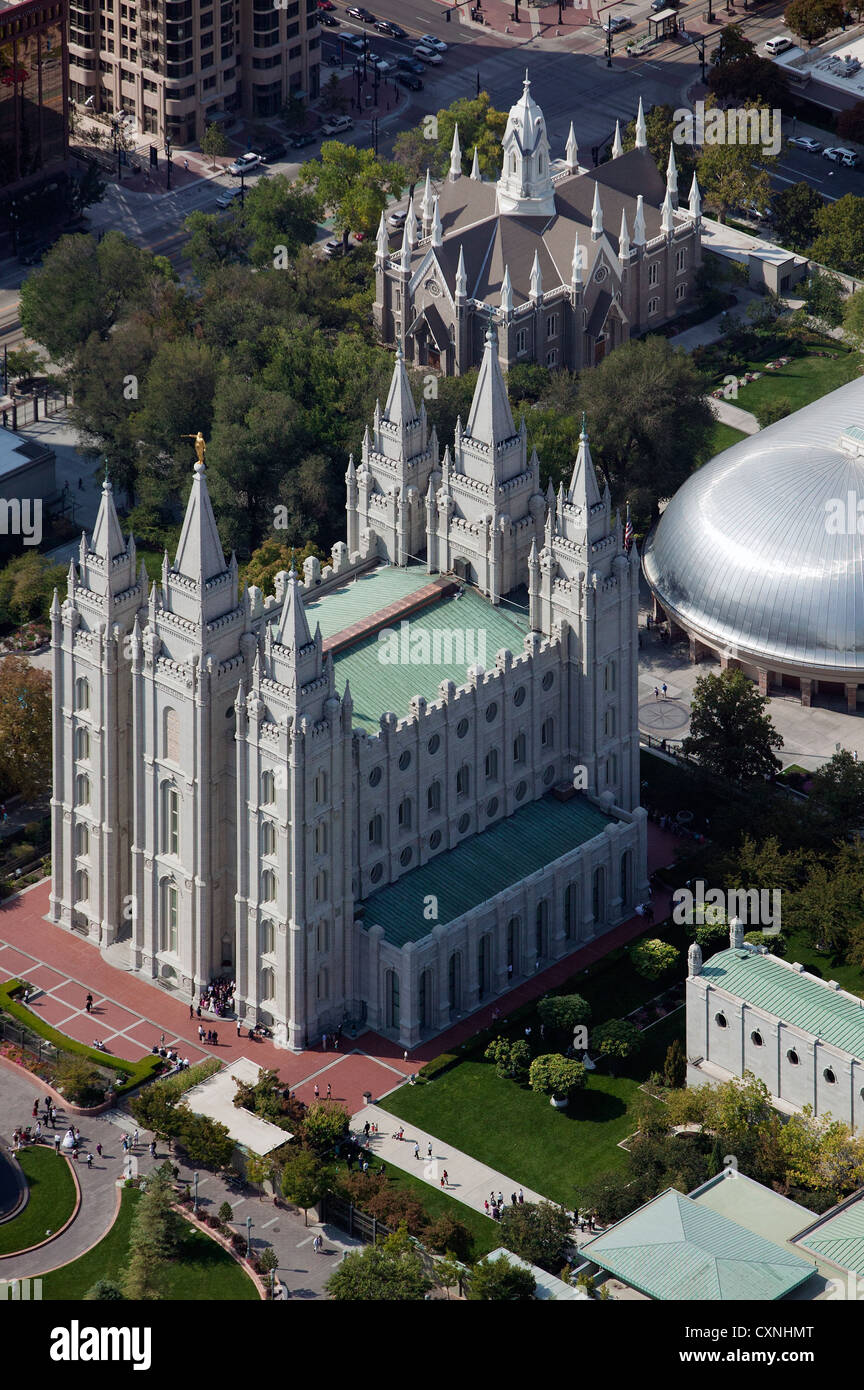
628,531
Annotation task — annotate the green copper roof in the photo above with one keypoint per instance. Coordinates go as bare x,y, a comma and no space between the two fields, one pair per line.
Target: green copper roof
483,866
673,1248
366,594
800,1000
437,644
839,1238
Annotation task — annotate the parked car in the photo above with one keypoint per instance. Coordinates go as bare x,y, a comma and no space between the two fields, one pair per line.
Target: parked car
617,23
226,199
381,64
839,155
328,19
358,12
431,42
245,163
397,219
805,142
306,137
326,5
428,55
356,42
388,26
334,124
333,248
275,150
410,80
410,65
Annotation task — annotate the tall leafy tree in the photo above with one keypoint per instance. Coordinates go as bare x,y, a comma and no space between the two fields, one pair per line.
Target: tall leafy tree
538,1231
479,124
279,214
353,184
391,1273
214,241
793,215
499,1281
839,241
305,1179
661,131
811,20
25,728
731,733
735,176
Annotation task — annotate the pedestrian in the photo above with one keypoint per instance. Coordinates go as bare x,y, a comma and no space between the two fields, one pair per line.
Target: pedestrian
35,1109
99,1150
191,1011
514,1201
238,1029
198,1010
442,1179
80,484
125,1144
329,1092
56,1143
38,1129
521,1196
665,688
215,1038
486,1205
656,693
162,1040
365,1165
152,1148
323,1042
317,1093
135,1139
500,1199
89,1160
200,1033
88,1003
445,1179
416,1149
429,1149
366,1129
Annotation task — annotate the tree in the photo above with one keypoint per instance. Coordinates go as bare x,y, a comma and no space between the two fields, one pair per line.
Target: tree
22,363
332,98
749,80
731,735
840,236
793,215
675,1065
226,1213
653,958
853,319
81,1082
772,411
25,728
214,143
214,241
616,1039
510,1058
392,1272
735,176
412,151
305,1179
278,213
479,124
649,420
824,297
353,184
273,556
27,585
96,284
837,793
538,1231
104,1291
733,46
557,1076
206,1142
157,1230
610,1197
811,20
324,1124
661,131
446,1235
154,1109
502,1282
563,1013
448,1273
829,907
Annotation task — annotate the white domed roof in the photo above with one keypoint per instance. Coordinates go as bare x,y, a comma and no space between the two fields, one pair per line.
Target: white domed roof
759,553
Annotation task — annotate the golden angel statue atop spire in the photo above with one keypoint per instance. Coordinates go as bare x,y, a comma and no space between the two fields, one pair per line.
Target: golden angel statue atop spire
200,446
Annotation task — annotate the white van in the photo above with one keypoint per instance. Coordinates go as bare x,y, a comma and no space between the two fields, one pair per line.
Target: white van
779,45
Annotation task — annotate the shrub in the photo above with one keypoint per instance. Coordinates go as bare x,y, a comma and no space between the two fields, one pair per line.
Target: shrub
80,1082
238,1242
653,958
618,1038
772,411
226,1213
563,1013
438,1065
447,1236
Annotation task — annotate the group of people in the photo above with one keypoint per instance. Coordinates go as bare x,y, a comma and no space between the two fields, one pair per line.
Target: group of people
170,1054
218,998
331,1040
209,1036
50,1111
494,1205
671,823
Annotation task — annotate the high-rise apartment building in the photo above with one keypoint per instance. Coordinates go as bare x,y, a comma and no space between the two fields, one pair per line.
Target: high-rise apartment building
178,65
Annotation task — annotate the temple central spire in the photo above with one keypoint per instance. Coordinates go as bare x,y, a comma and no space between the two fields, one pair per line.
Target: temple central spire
525,185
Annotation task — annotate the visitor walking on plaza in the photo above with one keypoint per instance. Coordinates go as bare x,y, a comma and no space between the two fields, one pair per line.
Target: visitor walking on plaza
88,1003
665,688
429,1149
317,1092
416,1149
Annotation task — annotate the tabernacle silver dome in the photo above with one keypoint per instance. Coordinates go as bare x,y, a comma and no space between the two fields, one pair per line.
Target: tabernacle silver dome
760,553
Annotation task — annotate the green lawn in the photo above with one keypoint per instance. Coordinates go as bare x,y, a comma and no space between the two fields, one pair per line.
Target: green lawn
517,1132
51,1202
805,379
203,1271
723,437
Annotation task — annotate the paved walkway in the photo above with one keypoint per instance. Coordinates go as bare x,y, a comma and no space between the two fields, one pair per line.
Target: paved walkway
733,415
468,1180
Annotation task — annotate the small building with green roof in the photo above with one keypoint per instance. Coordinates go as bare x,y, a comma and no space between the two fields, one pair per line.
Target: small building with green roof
749,1011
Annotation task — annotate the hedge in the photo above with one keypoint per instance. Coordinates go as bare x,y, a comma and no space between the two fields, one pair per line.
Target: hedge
137,1072
438,1065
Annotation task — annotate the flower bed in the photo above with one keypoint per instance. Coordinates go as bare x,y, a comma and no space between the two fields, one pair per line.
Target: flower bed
26,639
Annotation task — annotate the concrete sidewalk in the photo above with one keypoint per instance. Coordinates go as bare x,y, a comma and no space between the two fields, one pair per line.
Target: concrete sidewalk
733,415
468,1181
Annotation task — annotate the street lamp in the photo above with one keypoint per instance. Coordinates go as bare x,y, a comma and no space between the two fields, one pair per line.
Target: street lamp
478,83
248,1236
195,1195
168,157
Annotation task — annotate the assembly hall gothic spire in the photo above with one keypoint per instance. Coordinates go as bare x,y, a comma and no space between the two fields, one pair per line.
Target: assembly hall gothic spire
511,247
